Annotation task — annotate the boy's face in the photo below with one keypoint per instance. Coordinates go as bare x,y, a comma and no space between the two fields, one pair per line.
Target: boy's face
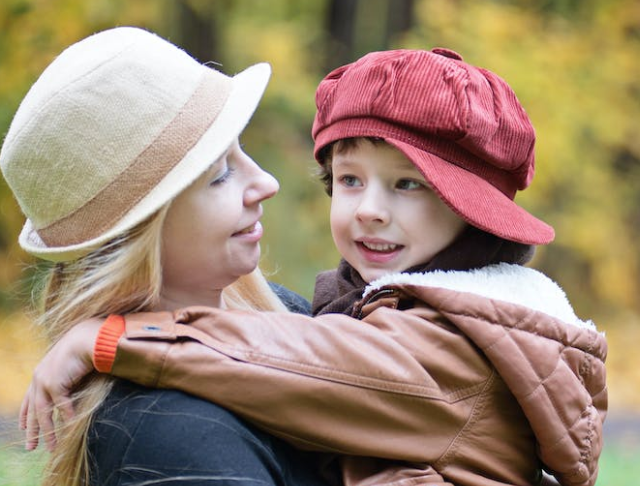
384,216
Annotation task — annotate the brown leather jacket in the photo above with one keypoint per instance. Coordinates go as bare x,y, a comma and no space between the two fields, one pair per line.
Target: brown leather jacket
468,378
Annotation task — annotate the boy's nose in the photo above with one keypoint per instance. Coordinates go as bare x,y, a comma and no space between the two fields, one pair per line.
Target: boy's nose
373,207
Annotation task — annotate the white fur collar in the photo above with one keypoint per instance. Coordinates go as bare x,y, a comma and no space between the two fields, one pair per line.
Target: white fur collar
509,283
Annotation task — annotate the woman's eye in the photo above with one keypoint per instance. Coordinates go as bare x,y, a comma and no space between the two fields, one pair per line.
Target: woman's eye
409,184
222,177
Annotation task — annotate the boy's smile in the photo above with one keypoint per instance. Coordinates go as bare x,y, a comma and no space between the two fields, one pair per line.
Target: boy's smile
377,250
384,216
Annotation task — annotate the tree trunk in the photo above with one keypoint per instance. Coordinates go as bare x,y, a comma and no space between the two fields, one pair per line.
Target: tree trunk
198,31
399,19
353,30
340,21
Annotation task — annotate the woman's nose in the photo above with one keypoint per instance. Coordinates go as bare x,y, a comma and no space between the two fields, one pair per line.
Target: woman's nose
261,186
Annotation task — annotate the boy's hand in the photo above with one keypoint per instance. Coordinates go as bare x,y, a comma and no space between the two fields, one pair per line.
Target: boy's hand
66,363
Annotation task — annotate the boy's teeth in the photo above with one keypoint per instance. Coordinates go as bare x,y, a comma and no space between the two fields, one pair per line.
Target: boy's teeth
380,246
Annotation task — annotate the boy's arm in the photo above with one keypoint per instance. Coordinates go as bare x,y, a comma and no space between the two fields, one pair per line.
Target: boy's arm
73,357
54,379
327,383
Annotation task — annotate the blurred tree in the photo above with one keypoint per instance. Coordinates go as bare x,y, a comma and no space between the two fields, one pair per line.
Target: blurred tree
356,27
400,19
196,28
341,19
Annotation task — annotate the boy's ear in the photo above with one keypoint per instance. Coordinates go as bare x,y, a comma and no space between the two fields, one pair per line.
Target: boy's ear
325,174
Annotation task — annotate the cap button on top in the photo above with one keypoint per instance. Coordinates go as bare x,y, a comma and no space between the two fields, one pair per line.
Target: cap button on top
447,53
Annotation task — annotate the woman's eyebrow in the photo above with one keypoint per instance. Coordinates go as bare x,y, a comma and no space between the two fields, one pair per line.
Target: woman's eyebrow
212,167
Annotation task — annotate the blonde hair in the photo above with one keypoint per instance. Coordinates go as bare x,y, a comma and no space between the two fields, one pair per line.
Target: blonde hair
122,276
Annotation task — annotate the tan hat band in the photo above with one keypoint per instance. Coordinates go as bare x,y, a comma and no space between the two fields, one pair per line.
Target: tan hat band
110,204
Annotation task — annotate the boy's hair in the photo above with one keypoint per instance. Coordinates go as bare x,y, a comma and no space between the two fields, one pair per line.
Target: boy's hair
341,146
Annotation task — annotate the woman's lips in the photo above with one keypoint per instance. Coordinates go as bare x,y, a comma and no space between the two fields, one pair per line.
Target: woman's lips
252,232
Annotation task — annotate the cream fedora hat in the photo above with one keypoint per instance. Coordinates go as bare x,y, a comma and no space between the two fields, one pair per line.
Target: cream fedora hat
115,127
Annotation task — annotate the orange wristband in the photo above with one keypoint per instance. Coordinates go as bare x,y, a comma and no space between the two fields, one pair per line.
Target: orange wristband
106,345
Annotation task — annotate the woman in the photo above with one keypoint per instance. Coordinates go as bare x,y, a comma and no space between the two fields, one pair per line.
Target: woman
124,157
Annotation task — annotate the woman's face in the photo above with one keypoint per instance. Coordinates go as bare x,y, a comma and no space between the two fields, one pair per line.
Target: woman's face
211,235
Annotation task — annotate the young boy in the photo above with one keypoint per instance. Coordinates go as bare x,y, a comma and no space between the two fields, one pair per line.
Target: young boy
434,356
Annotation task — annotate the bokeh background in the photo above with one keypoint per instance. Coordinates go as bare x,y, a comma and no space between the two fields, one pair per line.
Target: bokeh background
574,64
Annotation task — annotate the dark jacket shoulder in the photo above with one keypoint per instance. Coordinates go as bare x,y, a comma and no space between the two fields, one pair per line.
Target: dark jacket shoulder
294,302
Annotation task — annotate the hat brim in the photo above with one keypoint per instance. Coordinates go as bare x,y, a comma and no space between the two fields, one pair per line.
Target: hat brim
475,200
247,90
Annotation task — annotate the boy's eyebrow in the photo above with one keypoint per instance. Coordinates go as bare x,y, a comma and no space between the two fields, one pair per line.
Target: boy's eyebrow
406,164
402,164
342,160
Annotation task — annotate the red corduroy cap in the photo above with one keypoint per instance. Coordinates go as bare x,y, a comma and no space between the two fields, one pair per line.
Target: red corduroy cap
461,126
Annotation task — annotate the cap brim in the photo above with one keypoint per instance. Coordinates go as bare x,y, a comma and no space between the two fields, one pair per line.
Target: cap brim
247,90
476,201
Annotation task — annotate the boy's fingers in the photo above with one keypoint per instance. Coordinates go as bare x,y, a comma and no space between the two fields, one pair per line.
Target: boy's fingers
64,404
28,420
50,440
43,420
24,409
33,431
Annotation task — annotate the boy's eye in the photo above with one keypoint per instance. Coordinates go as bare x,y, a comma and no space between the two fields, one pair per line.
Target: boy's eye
409,184
349,180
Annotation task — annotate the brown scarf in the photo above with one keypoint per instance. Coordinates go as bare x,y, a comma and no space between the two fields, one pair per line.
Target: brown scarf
338,290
